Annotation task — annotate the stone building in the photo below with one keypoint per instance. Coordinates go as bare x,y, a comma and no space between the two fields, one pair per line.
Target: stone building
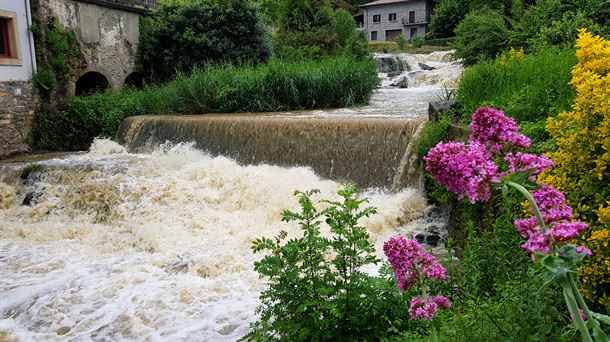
108,37
17,62
385,19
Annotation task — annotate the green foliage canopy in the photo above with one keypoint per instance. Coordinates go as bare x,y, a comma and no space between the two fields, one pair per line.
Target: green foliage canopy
181,35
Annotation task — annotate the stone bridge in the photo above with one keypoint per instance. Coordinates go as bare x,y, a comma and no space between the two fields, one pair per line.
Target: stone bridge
109,34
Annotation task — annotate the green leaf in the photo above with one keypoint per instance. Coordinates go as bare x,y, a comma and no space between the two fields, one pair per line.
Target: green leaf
602,318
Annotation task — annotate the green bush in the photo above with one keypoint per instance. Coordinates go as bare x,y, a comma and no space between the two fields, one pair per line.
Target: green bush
278,85
417,41
446,17
530,88
306,30
433,132
317,289
480,36
400,40
349,41
182,35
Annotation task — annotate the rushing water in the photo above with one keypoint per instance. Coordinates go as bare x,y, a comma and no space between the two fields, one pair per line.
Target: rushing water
110,245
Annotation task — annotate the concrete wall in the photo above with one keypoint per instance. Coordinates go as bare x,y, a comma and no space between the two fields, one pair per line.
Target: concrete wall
109,37
402,9
21,66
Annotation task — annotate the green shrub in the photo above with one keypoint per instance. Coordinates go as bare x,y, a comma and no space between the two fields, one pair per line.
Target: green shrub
482,35
529,89
180,36
417,41
306,25
349,41
433,132
446,17
44,78
564,31
400,41
317,289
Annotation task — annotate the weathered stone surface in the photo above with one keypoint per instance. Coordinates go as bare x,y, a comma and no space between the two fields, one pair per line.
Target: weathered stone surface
435,109
17,103
109,35
424,66
401,82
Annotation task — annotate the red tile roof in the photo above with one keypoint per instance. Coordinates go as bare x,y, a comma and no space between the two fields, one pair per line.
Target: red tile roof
383,2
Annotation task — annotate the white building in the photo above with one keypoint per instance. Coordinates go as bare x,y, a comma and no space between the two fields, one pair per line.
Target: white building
17,58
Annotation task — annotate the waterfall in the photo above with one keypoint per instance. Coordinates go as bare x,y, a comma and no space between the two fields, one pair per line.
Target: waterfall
365,151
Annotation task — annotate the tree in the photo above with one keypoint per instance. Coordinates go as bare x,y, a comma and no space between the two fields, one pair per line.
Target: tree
180,35
306,29
481,35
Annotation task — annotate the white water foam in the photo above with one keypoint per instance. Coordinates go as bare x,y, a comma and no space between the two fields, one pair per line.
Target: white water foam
151,247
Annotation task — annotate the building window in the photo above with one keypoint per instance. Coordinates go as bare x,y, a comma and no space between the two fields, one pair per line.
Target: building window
413,32
411,17
9,39
392,17
377,18
373,35
5,46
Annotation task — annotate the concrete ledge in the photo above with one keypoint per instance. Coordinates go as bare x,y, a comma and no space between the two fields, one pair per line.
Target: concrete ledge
138,6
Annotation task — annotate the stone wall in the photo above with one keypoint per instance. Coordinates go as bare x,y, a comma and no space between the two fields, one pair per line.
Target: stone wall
109,37
18,101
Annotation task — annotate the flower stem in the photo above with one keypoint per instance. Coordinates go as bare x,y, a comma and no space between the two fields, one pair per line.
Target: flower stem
529,198
579,299
573,309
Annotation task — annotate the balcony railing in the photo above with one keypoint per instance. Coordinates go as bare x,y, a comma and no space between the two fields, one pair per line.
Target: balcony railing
406,22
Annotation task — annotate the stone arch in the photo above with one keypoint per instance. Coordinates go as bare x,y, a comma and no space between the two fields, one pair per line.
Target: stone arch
91,82
135,79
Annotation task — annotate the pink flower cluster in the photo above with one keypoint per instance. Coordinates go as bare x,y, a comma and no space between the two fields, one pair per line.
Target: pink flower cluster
491,128
557,216
426,308
464,169
410,262
469,170
524,161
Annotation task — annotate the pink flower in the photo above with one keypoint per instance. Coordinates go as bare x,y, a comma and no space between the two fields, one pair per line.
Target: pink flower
466,170
493,129
426,309
524,161
408,261
557,216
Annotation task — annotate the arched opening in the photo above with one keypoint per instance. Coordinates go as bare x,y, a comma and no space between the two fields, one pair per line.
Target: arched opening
135,80
91,82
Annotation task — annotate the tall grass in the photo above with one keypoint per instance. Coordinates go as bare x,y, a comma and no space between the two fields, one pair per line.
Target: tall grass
275,86
278,85
529,89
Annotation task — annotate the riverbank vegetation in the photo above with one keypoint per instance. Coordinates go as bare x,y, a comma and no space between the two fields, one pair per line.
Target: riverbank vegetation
484,29
559,98
274,86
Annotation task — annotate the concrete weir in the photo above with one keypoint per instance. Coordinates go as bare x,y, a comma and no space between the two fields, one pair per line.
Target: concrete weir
368,151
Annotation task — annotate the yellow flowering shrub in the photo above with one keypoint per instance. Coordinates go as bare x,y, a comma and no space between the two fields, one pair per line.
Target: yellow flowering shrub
582,159
511,54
